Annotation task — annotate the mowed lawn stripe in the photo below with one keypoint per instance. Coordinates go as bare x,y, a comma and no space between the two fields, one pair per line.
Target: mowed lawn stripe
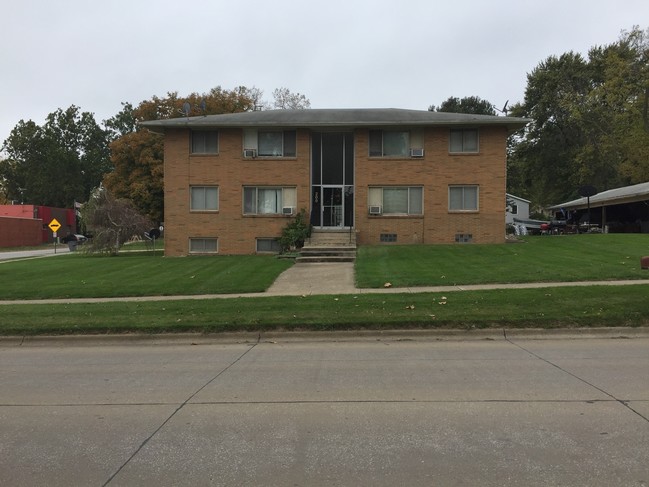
536,259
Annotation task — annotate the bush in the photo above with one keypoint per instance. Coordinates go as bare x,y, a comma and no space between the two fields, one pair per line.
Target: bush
295,232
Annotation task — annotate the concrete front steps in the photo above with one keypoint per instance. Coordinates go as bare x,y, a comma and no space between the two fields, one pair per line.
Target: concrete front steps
329,246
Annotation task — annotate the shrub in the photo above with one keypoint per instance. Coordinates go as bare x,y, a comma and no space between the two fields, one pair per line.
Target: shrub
295,232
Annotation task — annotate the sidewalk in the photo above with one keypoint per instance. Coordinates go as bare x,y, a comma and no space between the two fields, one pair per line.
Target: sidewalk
326,278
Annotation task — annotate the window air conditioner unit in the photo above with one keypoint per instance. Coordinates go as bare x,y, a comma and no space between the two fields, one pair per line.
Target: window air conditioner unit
288,210
249,153
375,210
416,152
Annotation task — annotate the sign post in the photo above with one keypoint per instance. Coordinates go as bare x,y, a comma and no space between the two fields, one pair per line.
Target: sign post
54,226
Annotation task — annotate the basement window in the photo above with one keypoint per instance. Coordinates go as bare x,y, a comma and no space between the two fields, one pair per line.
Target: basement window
388,237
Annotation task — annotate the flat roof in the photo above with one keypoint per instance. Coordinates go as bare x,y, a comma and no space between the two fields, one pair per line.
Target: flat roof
616,196
324,118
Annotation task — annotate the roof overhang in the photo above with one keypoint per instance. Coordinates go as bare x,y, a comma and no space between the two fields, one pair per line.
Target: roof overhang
335,118
617,196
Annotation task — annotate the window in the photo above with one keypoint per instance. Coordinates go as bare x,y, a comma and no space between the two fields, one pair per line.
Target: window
204,198
386,143
513,209
465,140
267,201
268,245
203,245
388,237
398,200
276,144
205,142
463,198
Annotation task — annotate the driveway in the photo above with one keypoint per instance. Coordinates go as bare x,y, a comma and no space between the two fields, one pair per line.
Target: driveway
400,410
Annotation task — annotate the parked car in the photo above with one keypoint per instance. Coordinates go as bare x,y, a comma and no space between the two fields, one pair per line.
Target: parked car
74,237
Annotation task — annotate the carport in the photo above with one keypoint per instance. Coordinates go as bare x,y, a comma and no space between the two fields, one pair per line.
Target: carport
619,210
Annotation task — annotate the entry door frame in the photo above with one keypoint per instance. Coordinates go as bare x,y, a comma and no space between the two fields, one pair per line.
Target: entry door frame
337,210
345,185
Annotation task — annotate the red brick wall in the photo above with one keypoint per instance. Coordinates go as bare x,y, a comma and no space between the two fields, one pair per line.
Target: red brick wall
236,233
19,232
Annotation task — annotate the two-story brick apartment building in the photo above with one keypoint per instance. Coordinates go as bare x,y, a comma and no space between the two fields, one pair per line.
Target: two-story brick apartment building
232,181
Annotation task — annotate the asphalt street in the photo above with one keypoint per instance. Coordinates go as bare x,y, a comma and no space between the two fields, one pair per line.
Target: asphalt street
380,410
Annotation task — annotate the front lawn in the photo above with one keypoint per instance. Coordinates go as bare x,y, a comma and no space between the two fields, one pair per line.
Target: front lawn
136,274
537,259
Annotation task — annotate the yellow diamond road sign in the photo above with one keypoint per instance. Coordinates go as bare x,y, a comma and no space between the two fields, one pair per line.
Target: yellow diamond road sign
54,225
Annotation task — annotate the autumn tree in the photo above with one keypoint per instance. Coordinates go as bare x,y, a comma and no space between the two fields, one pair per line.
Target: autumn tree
137,155
57,163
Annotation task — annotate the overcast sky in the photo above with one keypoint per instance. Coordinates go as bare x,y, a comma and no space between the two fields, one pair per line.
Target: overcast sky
339,53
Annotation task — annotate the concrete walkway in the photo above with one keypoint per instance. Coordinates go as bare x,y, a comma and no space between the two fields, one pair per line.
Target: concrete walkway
315,278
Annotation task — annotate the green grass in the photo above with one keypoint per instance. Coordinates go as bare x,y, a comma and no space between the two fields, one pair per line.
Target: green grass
570,258
537,259
136,274
539,308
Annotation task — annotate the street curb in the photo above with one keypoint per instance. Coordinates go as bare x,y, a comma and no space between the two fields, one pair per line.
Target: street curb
492,334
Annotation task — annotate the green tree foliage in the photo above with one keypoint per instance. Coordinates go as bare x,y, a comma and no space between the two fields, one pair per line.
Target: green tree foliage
468,104
111,221
589,122
57,163
295,232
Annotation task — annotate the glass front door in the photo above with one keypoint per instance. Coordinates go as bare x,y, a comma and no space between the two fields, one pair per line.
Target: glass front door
332,207
332,180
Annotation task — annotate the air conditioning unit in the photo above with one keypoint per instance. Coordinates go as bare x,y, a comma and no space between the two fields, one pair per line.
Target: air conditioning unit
376,210
288,210
417,152
249,153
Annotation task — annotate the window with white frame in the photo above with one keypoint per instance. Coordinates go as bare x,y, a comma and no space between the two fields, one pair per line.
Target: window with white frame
400,200
203,245
205,142
463,140
260,200
204,198
276,143
463,198
389,143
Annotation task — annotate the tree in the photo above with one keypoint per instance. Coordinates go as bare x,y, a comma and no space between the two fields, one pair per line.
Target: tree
112,221
468,104
588,122
285,100
55,164
137,158
137,155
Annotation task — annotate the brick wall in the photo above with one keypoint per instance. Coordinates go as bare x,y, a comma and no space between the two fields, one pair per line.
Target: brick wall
436,172
236,233
19,232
